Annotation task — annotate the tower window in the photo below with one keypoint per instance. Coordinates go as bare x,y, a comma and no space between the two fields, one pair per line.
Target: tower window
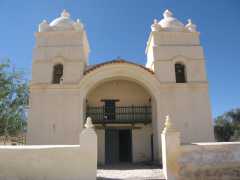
180,73
57,73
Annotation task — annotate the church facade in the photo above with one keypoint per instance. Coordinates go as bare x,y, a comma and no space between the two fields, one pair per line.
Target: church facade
127,102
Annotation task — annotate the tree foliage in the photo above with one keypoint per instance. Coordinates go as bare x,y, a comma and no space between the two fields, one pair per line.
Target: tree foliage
227,126
13,100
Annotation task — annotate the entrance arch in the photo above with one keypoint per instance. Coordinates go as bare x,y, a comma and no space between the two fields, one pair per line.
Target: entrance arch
123,71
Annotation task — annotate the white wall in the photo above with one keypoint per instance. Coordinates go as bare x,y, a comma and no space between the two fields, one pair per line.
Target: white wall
128,93
70,48
65,162
190,111
198,161
219,161
141,144
54,116
187,103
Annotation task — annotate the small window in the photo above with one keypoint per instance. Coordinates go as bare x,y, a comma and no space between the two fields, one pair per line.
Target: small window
180,73
57,73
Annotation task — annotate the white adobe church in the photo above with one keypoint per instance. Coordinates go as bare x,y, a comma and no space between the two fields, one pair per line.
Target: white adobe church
127,102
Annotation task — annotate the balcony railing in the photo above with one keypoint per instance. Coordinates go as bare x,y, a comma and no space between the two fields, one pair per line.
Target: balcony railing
127,114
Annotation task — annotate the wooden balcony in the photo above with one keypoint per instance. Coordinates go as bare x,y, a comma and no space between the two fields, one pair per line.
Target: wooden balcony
127,114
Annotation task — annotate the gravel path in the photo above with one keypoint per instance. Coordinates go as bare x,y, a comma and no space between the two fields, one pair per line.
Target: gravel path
129,171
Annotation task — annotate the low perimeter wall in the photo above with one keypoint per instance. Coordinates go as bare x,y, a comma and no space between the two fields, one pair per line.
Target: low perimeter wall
210,161
71,162
198,161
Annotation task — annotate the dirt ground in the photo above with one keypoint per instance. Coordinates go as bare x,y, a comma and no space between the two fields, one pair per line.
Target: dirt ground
129,171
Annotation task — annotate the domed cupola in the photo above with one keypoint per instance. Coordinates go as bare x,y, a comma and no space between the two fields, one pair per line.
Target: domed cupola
62,23
168,33
170,23
63,42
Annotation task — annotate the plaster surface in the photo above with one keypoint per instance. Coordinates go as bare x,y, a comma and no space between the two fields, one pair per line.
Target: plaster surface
55,162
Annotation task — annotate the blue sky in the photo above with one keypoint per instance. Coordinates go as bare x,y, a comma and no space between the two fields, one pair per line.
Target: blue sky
121,28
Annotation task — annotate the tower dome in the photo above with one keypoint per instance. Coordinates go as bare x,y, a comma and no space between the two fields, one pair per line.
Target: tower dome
62,23
170,23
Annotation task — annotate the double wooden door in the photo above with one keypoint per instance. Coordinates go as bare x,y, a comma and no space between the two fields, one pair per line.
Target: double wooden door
118,145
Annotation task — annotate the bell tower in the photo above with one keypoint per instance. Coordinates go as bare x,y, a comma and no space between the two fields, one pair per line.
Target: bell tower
176,56
170,43
61,51
59,59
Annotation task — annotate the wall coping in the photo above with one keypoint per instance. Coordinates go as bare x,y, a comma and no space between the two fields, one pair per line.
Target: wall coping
215,143
38,146
218,146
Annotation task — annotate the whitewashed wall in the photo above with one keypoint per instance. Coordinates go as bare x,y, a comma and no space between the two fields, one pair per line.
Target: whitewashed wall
121,90
56,162
219,161
141,144
198,161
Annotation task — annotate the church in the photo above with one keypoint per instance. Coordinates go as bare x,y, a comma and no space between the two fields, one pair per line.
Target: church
127,102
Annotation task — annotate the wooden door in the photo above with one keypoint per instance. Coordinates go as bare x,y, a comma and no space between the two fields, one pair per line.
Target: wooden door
111,146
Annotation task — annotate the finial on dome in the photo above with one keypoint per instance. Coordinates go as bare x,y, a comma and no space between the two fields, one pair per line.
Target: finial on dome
167,13
43,26
45,21
65,14
155,26
190,26
170,23
78,25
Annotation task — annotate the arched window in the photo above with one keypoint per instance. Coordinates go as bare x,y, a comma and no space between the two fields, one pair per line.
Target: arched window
57,73
180,73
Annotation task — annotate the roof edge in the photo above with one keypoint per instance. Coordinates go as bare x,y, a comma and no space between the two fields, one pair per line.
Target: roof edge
117,61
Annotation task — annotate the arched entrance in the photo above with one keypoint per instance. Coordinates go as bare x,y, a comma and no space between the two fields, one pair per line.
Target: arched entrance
122,101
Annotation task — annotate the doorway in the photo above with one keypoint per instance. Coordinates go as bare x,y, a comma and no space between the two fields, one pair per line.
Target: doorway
110,109
118,146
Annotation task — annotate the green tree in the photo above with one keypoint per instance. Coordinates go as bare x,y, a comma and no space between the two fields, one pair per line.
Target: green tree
227,126
13,100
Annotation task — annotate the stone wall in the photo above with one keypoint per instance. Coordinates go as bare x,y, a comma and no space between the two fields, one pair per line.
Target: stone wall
56,162
198,161
213,161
